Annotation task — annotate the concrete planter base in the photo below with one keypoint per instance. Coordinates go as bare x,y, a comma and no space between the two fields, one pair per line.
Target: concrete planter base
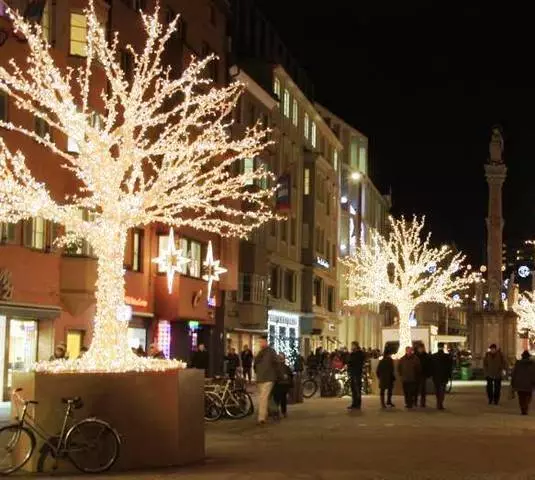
158,415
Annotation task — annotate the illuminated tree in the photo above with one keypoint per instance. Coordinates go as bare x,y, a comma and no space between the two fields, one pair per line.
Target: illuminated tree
525,309
404,270
161,152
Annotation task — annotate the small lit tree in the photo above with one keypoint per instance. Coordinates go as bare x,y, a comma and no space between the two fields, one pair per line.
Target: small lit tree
161,153
405,271
525,309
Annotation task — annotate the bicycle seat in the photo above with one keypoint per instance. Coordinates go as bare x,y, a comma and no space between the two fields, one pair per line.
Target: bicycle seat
76,402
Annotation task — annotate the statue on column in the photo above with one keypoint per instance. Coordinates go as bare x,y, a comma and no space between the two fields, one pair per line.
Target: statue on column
496,146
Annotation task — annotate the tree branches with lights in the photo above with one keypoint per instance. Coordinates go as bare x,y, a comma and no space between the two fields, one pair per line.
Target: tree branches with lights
525,309
404,270
160,151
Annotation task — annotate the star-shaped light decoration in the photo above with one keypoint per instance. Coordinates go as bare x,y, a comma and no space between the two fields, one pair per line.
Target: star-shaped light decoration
212,269
171,260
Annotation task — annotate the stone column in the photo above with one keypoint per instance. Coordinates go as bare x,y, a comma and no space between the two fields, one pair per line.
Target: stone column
495,174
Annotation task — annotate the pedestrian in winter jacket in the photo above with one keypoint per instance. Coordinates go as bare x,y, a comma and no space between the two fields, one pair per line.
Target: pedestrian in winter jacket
283,385
523,381
425,373
409,369
441,367
267,370
494,364
355,366
385,374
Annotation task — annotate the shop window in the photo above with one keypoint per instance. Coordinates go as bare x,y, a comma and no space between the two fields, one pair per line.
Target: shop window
289,285
274,282
248,169
22,347
137,250
277,88
295,113
306,126
42,128
34,233
286,103
318,286
3,106
7,232
78,44
75,342
137,338
330,299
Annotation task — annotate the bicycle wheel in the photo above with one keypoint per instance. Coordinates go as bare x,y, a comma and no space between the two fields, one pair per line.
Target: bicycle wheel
16,447
237,405
212,407
92,445
310,387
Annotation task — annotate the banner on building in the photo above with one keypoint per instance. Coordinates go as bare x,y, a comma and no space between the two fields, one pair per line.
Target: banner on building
283,193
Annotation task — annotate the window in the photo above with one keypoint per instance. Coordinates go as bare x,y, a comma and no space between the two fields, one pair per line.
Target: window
284,230
274,282
293,231
245,287
363,160
7,232
34,233
335,160
72,146
81,247
289,285
46,22
330,299
286,103
127,64
42,128
190,249
248,169
252,115
318,285
137,247
313,137
354,153
295,113
277,88
78,34
195,254
306,126
3,106
306,187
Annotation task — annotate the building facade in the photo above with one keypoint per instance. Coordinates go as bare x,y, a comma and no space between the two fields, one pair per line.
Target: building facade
48,292
362,209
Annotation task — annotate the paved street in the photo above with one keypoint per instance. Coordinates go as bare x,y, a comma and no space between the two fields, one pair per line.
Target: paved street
321,441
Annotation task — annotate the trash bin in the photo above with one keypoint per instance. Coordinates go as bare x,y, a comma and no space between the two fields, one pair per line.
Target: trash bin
466,373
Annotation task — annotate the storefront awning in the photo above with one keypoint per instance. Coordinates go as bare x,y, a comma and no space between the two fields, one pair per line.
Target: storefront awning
11,309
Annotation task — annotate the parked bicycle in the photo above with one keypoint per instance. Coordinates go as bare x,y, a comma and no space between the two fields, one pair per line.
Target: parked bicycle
91,445
225,398
310,384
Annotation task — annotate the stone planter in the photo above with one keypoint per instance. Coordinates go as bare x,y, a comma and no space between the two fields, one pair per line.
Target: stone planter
158,415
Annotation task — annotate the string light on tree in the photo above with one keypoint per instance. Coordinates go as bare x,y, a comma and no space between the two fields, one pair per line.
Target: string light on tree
213,269
525,309
162,153
171,260
404,270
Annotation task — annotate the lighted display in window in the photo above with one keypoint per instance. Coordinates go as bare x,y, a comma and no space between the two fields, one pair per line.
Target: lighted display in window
164,337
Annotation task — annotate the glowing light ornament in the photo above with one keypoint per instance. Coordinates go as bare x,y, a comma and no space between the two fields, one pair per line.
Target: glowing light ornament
147,160
396,270
171,260
212,268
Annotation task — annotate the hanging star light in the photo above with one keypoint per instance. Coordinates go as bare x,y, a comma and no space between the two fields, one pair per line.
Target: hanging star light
212,268
171,260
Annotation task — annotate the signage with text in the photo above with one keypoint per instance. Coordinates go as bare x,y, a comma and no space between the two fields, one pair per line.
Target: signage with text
136,302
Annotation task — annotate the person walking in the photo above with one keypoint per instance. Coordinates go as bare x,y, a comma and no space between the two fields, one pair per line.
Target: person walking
233,362
441,368
385,374
355,366
247,362
409,369
282,386
523,381
200,359
267,368
494,364
425,373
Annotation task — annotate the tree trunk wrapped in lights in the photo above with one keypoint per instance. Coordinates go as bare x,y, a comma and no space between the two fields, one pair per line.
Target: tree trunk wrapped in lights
161,152
404,270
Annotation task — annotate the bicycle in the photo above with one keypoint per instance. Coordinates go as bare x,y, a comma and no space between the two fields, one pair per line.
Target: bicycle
78,442
310,385
236,403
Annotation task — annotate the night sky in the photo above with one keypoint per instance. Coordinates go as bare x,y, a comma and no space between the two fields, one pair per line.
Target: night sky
426,82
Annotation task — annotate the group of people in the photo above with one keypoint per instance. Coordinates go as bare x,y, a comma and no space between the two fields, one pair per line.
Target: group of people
337,360
242,363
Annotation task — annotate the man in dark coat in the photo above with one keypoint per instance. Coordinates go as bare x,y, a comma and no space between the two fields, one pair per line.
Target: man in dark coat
425,373
441,367
355,365
247,362
385,374
494,364
200,360
409,369
523,381
233,362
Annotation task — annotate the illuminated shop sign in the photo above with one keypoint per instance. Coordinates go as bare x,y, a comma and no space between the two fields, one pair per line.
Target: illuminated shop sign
322,262
136,302
283,318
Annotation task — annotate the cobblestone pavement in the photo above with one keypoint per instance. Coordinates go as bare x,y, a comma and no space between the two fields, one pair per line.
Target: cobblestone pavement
322,441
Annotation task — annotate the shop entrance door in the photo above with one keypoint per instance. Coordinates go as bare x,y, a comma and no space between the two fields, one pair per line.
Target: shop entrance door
22,351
